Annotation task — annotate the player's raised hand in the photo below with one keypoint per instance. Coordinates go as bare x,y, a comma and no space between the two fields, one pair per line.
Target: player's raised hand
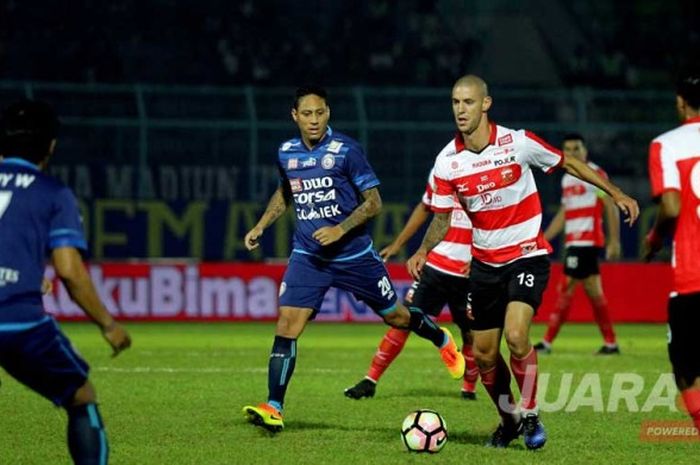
46,286
117,337
613,251
389,251
628,206
328,234
414,265
651,245
251,239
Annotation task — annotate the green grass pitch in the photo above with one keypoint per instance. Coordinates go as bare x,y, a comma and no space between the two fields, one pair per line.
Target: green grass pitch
176,398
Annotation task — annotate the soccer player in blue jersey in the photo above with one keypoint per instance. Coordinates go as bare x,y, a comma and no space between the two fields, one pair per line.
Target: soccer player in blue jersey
327,178
39,217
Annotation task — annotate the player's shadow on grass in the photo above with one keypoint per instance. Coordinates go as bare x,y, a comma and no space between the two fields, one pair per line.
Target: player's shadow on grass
478,439
425,392
317,425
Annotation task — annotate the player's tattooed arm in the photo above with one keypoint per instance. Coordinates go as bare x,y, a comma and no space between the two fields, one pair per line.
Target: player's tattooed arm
275,208
434,235
368,209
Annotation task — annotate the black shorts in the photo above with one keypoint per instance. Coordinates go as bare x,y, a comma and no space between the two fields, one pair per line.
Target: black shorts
493,288
581,262
683,326
437,289
43,359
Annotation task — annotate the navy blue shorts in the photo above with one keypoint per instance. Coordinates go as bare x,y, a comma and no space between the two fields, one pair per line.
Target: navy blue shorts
308,278
43,359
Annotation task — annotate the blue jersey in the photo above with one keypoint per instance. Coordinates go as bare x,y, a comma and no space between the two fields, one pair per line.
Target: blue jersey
37,214
326,183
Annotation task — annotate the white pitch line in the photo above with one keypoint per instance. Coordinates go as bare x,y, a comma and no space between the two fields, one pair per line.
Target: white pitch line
207,370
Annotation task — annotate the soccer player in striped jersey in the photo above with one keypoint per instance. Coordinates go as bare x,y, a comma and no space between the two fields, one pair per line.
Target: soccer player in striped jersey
325,175
581,218
489,168
444,281
39,218
674,172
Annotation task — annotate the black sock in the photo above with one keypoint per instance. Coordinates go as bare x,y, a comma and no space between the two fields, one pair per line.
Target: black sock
422,325
282,361
87,440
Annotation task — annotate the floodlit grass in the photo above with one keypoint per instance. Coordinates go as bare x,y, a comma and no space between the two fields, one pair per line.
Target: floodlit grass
176,398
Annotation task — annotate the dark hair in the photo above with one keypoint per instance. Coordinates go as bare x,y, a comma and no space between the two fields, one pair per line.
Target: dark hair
309,90
28,127
688,87
574,136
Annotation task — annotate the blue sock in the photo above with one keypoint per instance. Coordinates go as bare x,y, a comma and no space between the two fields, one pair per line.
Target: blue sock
425,327
87,440
282,361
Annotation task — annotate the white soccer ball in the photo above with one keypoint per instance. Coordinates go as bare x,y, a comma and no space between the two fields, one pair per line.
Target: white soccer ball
424,431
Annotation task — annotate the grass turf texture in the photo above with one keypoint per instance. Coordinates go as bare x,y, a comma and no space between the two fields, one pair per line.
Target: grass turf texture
176,398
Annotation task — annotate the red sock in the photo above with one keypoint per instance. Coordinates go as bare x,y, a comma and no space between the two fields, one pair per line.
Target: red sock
602,317
525,372
471,373
558,316
391,345
691,397
496,380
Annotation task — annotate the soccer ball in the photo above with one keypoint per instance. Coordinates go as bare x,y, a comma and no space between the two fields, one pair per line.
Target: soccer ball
424,431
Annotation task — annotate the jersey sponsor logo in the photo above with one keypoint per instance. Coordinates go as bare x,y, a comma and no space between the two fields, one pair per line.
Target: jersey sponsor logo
295,185
328,161
292,163
334,146
481,163
490,199
463,187
305,198
8,275
308,163
486,186
327,211
504,161
507,139
454,165
317,183
21,180
288,145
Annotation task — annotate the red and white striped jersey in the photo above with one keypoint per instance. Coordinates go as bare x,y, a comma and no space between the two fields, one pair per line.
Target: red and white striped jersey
583,210
674,164
497,189
454,254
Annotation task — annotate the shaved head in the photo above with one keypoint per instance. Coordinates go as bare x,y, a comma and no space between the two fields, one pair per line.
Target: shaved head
473,80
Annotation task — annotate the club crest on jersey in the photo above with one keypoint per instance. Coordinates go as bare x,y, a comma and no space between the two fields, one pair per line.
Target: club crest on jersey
334,146
507,175
507,139
328,160
292,163
295,185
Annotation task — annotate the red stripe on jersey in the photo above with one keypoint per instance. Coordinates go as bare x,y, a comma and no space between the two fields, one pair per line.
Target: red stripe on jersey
508,216
589,236
443,186
447,264
489,180
582,212
656,171
686,240
458,235
511,252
